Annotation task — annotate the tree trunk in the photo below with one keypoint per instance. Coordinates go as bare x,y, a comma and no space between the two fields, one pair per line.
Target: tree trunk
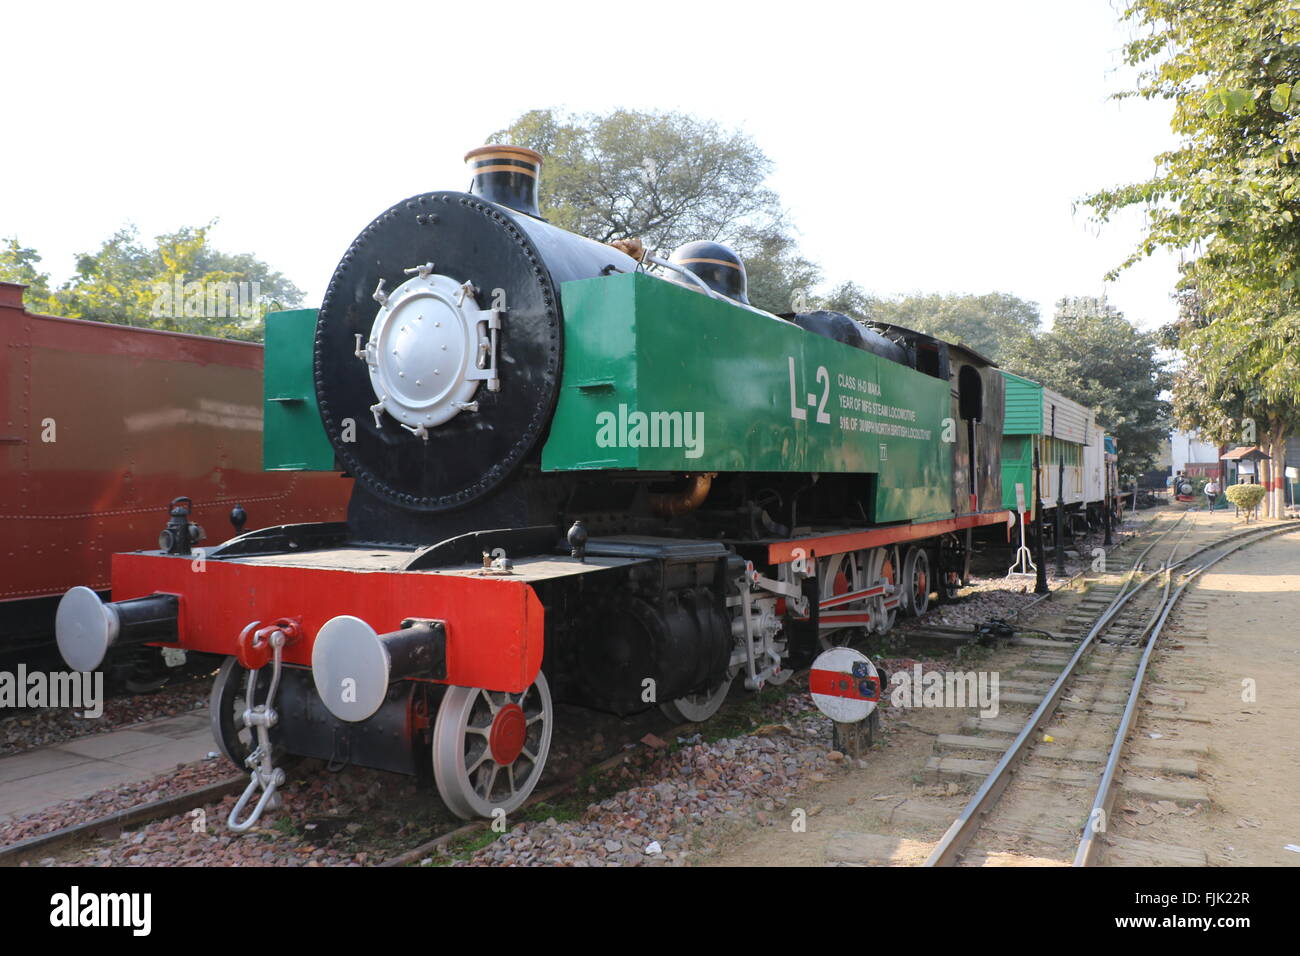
1266,479
1278,492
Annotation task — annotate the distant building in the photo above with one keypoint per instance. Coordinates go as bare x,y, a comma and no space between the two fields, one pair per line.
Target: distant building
1191,456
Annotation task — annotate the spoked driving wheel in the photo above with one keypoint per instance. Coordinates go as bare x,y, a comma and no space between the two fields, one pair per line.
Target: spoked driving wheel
916,581
489,747
842,574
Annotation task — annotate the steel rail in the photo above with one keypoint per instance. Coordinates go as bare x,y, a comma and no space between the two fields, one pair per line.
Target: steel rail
963,829
1069,582
1104,800
120,819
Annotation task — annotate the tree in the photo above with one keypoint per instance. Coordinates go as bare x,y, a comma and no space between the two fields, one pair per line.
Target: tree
994,324
1230,191
851,299
1216,394
1098,358
780,279
18,264
664,178
182,283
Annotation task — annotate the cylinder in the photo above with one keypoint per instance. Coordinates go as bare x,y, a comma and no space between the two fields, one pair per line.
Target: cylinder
353,665
86,627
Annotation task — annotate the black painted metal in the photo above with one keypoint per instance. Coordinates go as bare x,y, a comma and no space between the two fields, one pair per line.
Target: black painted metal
515,190
385,740
288,537
417,649
511,258
841,328
1040,576
716,265
180,535
515,542
144,619
681,640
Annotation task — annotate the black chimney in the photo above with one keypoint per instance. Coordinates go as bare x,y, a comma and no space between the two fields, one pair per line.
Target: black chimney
507,176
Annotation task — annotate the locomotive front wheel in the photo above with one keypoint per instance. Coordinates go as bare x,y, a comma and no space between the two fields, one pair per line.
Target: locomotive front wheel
696,708
489,747
226,706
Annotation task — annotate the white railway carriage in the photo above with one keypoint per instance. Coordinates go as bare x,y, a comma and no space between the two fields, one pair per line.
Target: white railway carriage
1074,452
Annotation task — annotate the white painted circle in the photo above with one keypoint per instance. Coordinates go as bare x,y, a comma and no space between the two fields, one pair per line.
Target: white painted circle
424,344
84,627
840,660
350,666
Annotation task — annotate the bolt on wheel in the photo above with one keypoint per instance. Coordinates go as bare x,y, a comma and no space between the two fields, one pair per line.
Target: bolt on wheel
489,747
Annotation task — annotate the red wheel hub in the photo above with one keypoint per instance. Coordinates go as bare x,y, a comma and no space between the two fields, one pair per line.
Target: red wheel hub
509,730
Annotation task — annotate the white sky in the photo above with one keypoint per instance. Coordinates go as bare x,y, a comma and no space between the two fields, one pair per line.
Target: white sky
918,146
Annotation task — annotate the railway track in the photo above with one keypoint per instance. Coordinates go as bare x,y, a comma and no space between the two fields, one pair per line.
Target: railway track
210,795
1053,784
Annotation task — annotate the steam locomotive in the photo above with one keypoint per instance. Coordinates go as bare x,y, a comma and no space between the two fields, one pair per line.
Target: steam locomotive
582,473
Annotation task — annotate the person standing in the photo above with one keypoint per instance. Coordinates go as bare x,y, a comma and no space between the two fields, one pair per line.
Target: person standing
1211,493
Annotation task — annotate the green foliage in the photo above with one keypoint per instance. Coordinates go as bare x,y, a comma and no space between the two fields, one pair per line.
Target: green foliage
1245,497
1230,192
665,178
1098,358
780,279
995,324
851,299
18,264
182,284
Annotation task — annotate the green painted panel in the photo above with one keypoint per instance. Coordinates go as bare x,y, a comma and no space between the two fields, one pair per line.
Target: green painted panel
293,438
1017,466
1024,408
658,377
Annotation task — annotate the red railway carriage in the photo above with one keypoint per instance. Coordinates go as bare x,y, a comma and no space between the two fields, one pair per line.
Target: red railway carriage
101,426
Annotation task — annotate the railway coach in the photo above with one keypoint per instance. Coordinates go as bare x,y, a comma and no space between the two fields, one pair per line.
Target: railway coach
101,426
1078,460
582,473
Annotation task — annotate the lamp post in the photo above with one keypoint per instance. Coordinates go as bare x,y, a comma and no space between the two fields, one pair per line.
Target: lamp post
1106,493
1040,579
1060,499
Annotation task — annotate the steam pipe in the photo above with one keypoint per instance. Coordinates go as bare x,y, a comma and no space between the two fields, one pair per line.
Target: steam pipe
671,504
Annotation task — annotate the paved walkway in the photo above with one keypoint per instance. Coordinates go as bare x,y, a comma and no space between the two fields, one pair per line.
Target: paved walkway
41,778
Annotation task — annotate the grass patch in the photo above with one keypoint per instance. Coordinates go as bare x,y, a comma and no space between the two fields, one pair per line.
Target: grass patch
464,847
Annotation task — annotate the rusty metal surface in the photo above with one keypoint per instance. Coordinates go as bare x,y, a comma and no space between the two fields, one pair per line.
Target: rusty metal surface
102,425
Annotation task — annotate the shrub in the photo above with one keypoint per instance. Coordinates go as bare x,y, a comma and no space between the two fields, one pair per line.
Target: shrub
1245,497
